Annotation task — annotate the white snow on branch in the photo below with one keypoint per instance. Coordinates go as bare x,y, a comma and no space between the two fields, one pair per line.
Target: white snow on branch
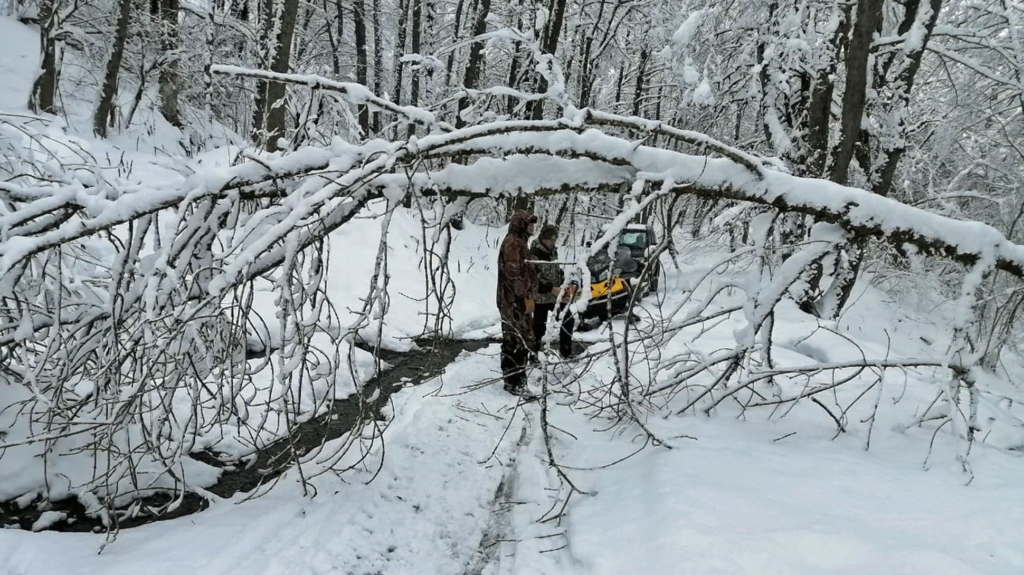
688,29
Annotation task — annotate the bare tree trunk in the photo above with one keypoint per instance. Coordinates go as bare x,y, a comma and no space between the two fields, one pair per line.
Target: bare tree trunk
819,110
457,28
903,85
868,13
414,85
403,22
513,72
359,22
577,39
587,73
334,39
169,43
474,68
307,19
549,45
618,85
269,122
428,37
139,92
44,90
762,64
846,279
641,72
378,61
108,92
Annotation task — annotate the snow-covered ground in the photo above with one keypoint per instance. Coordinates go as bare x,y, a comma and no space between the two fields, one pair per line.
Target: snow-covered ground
423,512
463,479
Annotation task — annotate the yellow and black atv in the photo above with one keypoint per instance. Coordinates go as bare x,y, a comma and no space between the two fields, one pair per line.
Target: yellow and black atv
609,289
614,281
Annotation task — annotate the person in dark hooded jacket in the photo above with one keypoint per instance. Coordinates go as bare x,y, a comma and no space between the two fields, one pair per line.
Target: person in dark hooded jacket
517,291
549,283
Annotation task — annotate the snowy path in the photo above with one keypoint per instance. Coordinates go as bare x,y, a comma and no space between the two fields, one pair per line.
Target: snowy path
425,513
733,502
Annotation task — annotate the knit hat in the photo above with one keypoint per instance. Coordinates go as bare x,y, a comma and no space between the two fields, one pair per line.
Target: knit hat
549,232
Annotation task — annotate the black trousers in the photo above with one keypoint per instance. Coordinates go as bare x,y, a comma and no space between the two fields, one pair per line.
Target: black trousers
516,343
540,321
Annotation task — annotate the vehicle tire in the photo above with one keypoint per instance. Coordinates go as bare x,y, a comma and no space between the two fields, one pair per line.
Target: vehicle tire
655,280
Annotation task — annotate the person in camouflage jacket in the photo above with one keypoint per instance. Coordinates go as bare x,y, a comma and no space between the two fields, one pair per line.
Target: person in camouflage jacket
517,291
549,282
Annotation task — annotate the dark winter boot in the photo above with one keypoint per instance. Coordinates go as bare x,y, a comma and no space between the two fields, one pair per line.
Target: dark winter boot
517,387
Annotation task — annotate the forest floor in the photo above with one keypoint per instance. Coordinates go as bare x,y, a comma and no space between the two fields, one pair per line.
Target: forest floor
465,487
429,359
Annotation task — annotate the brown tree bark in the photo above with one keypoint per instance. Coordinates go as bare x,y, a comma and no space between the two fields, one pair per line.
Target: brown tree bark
108,91
819,109
359,23
474,68
549,44
44,90
868,13
270,114
903,86
168,80
890,159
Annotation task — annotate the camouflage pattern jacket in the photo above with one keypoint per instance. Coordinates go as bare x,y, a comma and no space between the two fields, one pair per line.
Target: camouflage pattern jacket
517,279
549,276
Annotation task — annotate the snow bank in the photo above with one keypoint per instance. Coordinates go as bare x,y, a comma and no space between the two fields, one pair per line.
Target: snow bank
426,511
734,501
19,45
778,490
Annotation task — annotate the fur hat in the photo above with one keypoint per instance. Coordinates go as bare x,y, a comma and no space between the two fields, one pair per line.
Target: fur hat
549,232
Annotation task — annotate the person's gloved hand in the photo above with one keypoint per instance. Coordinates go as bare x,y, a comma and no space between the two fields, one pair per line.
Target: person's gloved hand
529,306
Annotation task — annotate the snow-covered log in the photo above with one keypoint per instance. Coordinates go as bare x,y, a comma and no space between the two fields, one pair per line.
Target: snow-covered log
318,178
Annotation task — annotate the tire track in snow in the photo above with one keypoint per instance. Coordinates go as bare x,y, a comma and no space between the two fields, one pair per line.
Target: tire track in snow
499,526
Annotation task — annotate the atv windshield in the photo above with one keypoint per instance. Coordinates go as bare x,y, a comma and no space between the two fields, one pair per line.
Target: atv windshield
633,239
600,263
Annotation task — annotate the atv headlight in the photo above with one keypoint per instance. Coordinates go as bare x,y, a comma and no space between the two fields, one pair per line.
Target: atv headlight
603,276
